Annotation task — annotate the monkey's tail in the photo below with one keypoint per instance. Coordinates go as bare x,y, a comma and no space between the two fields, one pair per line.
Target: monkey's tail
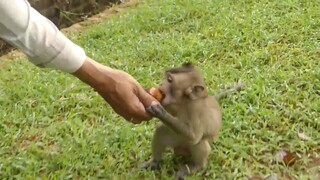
236,88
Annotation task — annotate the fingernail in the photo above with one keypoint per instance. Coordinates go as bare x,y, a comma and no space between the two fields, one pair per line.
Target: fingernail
154,103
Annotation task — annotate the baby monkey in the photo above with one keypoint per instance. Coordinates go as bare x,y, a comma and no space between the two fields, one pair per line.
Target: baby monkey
191,119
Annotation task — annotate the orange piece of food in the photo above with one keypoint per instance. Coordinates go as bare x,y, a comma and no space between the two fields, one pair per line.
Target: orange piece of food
156,93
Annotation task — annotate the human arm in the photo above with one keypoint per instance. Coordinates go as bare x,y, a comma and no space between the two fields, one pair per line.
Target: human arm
36,36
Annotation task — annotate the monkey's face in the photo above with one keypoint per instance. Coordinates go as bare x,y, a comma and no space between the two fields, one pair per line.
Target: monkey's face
178,88
168,88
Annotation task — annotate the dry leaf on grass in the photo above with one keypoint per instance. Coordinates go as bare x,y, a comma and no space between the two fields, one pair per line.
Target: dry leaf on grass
303,136
271,177
286,157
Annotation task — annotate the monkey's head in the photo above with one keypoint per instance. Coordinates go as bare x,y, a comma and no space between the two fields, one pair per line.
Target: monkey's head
181,84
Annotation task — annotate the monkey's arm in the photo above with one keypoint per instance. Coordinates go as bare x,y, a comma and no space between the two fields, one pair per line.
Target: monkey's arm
178,126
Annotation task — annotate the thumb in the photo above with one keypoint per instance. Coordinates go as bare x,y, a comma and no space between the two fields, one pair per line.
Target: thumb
145,98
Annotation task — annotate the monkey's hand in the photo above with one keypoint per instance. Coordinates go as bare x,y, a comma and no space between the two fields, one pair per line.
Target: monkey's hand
157,110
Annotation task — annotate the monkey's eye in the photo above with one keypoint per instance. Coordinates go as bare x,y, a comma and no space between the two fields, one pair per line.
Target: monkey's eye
169,79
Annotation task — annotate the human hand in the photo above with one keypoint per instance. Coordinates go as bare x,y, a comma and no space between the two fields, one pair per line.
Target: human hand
119,89
125,96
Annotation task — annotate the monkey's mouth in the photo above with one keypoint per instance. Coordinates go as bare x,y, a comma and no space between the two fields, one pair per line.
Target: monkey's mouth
156,93
163,95
165,99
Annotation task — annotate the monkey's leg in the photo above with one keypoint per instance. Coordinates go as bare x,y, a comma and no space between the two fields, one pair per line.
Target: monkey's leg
200,153
183,151
163,138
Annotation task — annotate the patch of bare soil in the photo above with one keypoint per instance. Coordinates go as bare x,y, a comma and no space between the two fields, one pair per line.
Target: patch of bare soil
15,53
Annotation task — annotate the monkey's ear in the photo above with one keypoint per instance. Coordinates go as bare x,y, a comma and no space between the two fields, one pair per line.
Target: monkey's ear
195,92
198,88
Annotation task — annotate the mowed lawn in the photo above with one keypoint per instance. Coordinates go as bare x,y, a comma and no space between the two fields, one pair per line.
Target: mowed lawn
52,126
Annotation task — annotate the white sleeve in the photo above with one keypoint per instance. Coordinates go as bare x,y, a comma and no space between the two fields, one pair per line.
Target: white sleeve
25,28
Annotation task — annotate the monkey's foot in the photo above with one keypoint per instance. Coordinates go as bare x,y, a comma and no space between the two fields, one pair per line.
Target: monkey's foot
150,164
186,170
180,175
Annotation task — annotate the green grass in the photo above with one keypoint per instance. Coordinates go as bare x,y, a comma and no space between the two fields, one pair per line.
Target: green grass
53,126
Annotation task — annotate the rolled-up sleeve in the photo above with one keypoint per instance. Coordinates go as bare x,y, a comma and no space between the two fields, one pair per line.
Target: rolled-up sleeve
35,35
